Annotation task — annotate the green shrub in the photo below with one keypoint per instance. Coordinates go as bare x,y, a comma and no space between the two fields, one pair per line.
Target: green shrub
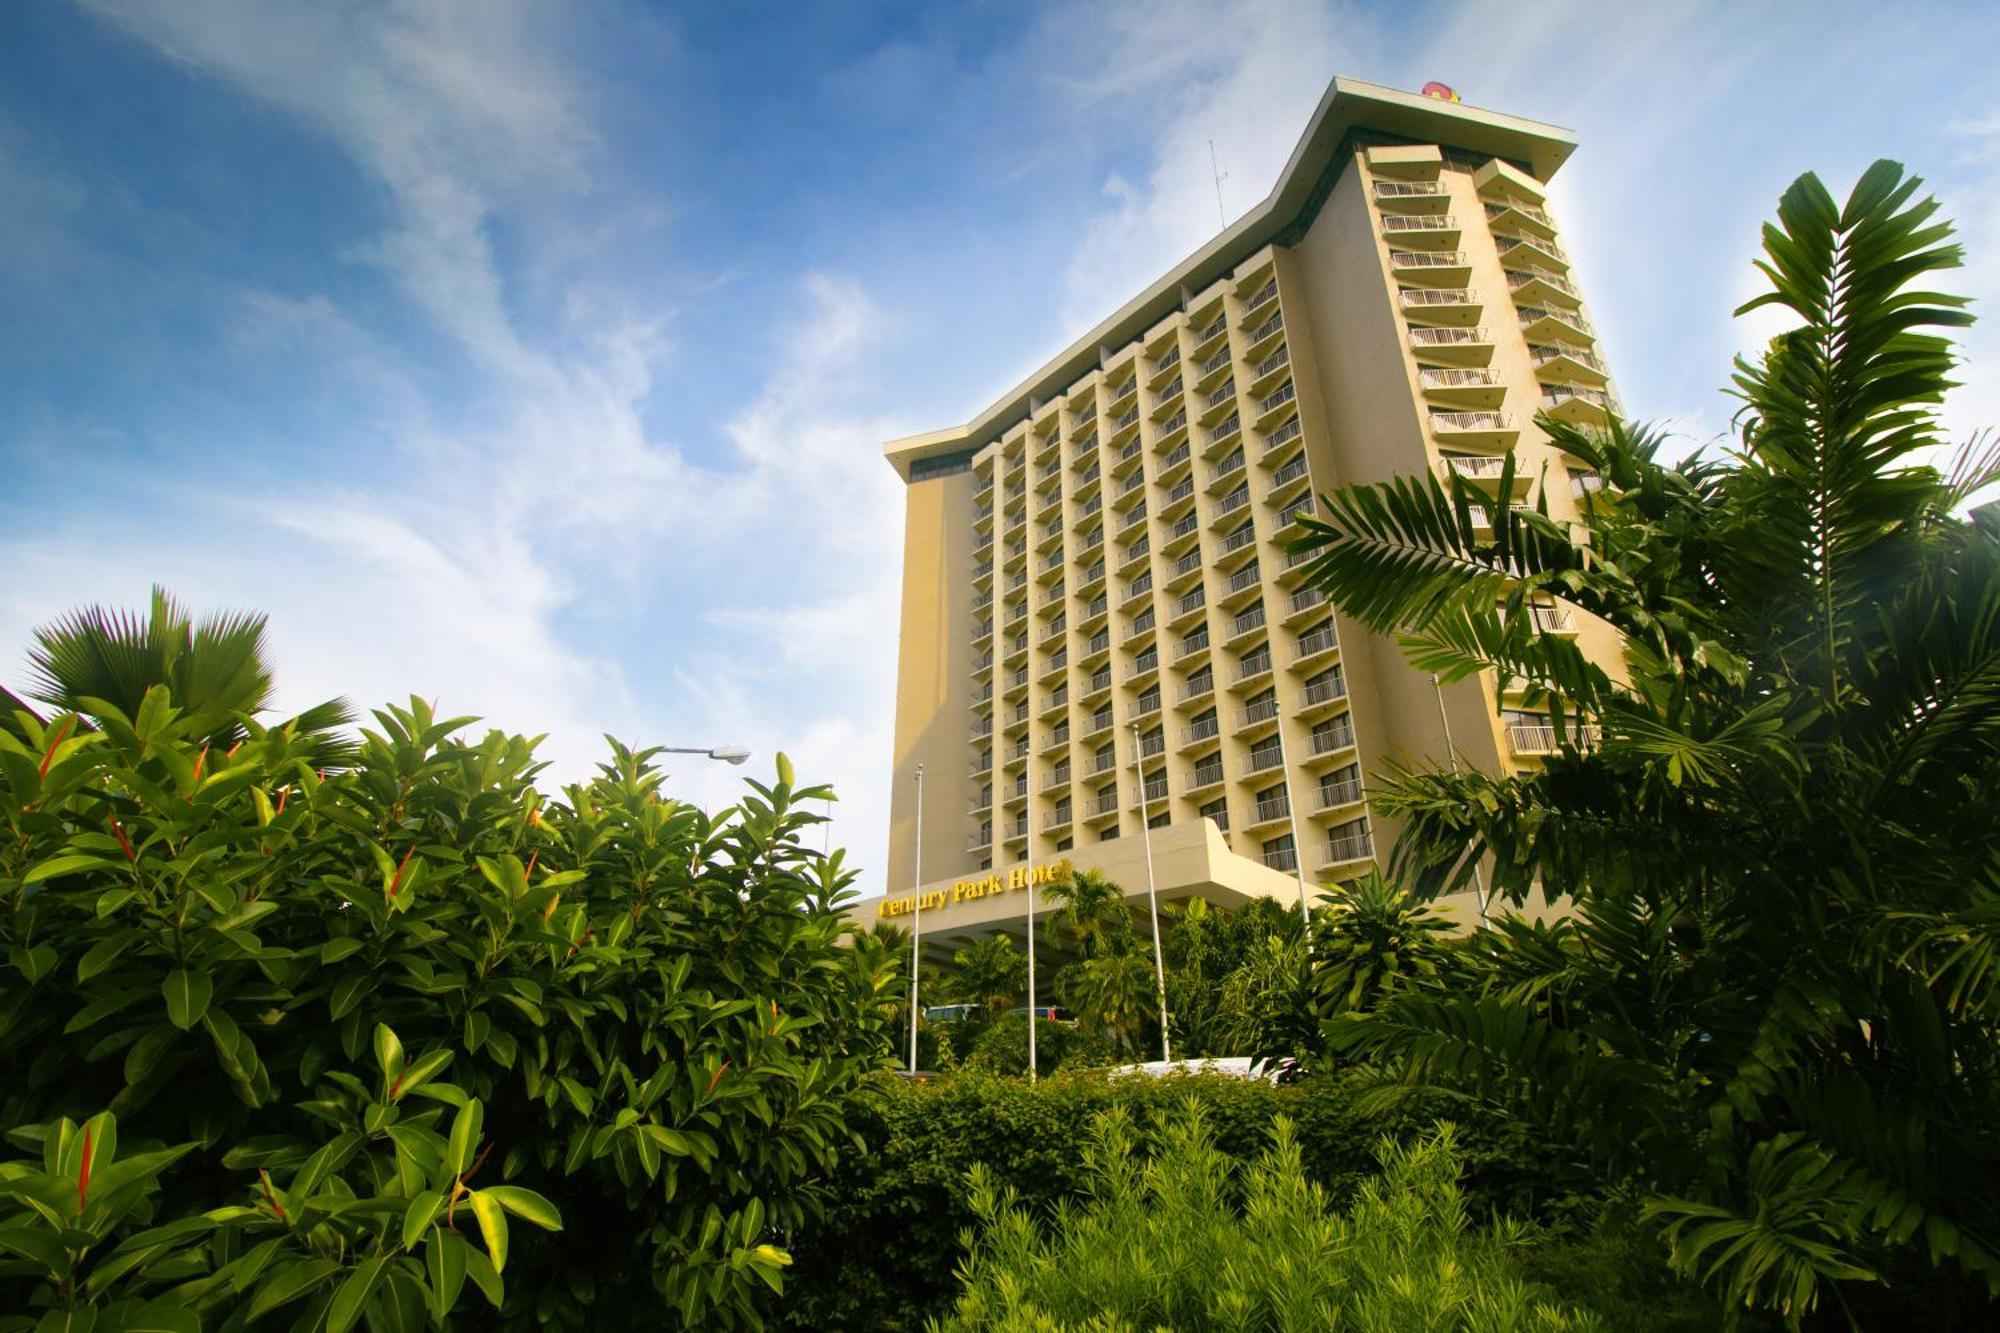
883,1254
1191,1238
1001,1046
326,1032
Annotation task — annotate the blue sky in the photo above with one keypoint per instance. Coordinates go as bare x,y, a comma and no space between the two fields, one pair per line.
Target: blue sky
537,357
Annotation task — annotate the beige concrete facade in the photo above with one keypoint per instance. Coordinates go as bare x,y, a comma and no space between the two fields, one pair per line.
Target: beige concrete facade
1102,628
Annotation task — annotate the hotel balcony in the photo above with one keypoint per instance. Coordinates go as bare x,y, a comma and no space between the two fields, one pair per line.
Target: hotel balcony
1172,431
1315,646
1259,304
1562,362
1535,285
1179,500
1534,740
1169,396
1144,669
1330,797
1543,324
1257,715
1185,572
1208,374
1519,218
1190,651
1577,405
1251,673
1533,252
1018,833
1096,649
1303,603
1411,196
1552,619
1204,777
1292,479
1322,697
1456,307
1485,471
1188,610
1274,404
1456,347
1294,567
1429,231
1182,535
1431,268
1127,457
981,841
1241,586
1195,691
1347,848
1208,338
1263,339
1163,366
1268,813
1475,430
1100,810
1228,507
1462,387
1264,375
1330,745
1175,465
1059,818
1055,704
1288,432
1134,555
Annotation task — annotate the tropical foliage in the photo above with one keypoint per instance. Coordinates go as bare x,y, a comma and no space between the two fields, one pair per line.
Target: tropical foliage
1186,1239
1775,1010
319,1043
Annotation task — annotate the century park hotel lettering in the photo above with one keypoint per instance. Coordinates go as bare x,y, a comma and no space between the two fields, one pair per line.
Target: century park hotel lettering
965,890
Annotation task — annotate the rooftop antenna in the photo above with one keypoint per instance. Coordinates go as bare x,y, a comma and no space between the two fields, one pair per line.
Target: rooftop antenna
1220,176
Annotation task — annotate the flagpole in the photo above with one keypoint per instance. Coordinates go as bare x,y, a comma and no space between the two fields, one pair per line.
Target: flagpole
1152,893
917,920
1028,841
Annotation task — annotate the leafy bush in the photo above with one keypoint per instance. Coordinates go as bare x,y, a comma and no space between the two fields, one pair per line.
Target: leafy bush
1001,1046
286,1038
1190,1238
1776,1008
882,1256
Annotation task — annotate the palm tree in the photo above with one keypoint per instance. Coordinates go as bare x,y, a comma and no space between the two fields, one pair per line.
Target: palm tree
1092,914
1114,995
1777,1006
217,670
989,972
1371,938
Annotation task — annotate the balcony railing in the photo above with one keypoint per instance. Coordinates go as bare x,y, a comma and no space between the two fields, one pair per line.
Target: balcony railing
1267,328
1228,467
1543,353
1333,795
1408,189
1200,730
1245,577
1290,472
1429,337
1517,279
1420,296
1555,395
1233,501
1239,539
1323,692
1283,434
1419,222
1189,647
1475,465
1427,259
1319,641
1334,739
1264,293
1284,393
1467,377
1470,421
1253,666
1282,858
1350,847
1256,711
1227,429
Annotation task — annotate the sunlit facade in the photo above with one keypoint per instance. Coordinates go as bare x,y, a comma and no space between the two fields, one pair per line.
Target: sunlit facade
1101,628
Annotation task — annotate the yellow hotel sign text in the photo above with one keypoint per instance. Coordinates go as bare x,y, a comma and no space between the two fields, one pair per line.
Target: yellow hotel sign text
965,890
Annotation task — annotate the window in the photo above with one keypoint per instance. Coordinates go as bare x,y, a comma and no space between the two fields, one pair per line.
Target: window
1106,758
1059,775
1107,797
1204,726
1208,771
1272,803
1149,699
1108,834
1265,754
1217,810
1065,844
1143,621
1281,853
947,465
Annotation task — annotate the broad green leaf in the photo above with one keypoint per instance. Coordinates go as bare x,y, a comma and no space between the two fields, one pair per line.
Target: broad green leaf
464,1141
288,1283
418,1216
187,994
444,1264
526,1205
388,1054
352,1297
492,1226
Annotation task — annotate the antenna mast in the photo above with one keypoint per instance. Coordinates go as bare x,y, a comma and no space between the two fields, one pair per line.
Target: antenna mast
1220,176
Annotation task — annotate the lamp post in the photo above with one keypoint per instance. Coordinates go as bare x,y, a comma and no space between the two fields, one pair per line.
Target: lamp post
1451,755
1152,894
917,919
728,754
1028,854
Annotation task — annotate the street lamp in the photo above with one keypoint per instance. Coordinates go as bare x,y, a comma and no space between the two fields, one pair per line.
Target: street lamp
728,754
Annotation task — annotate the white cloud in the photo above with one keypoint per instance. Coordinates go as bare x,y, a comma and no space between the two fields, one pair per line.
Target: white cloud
769,577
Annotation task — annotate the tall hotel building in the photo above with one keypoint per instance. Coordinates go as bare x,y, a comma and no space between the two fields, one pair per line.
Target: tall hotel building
1102,631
